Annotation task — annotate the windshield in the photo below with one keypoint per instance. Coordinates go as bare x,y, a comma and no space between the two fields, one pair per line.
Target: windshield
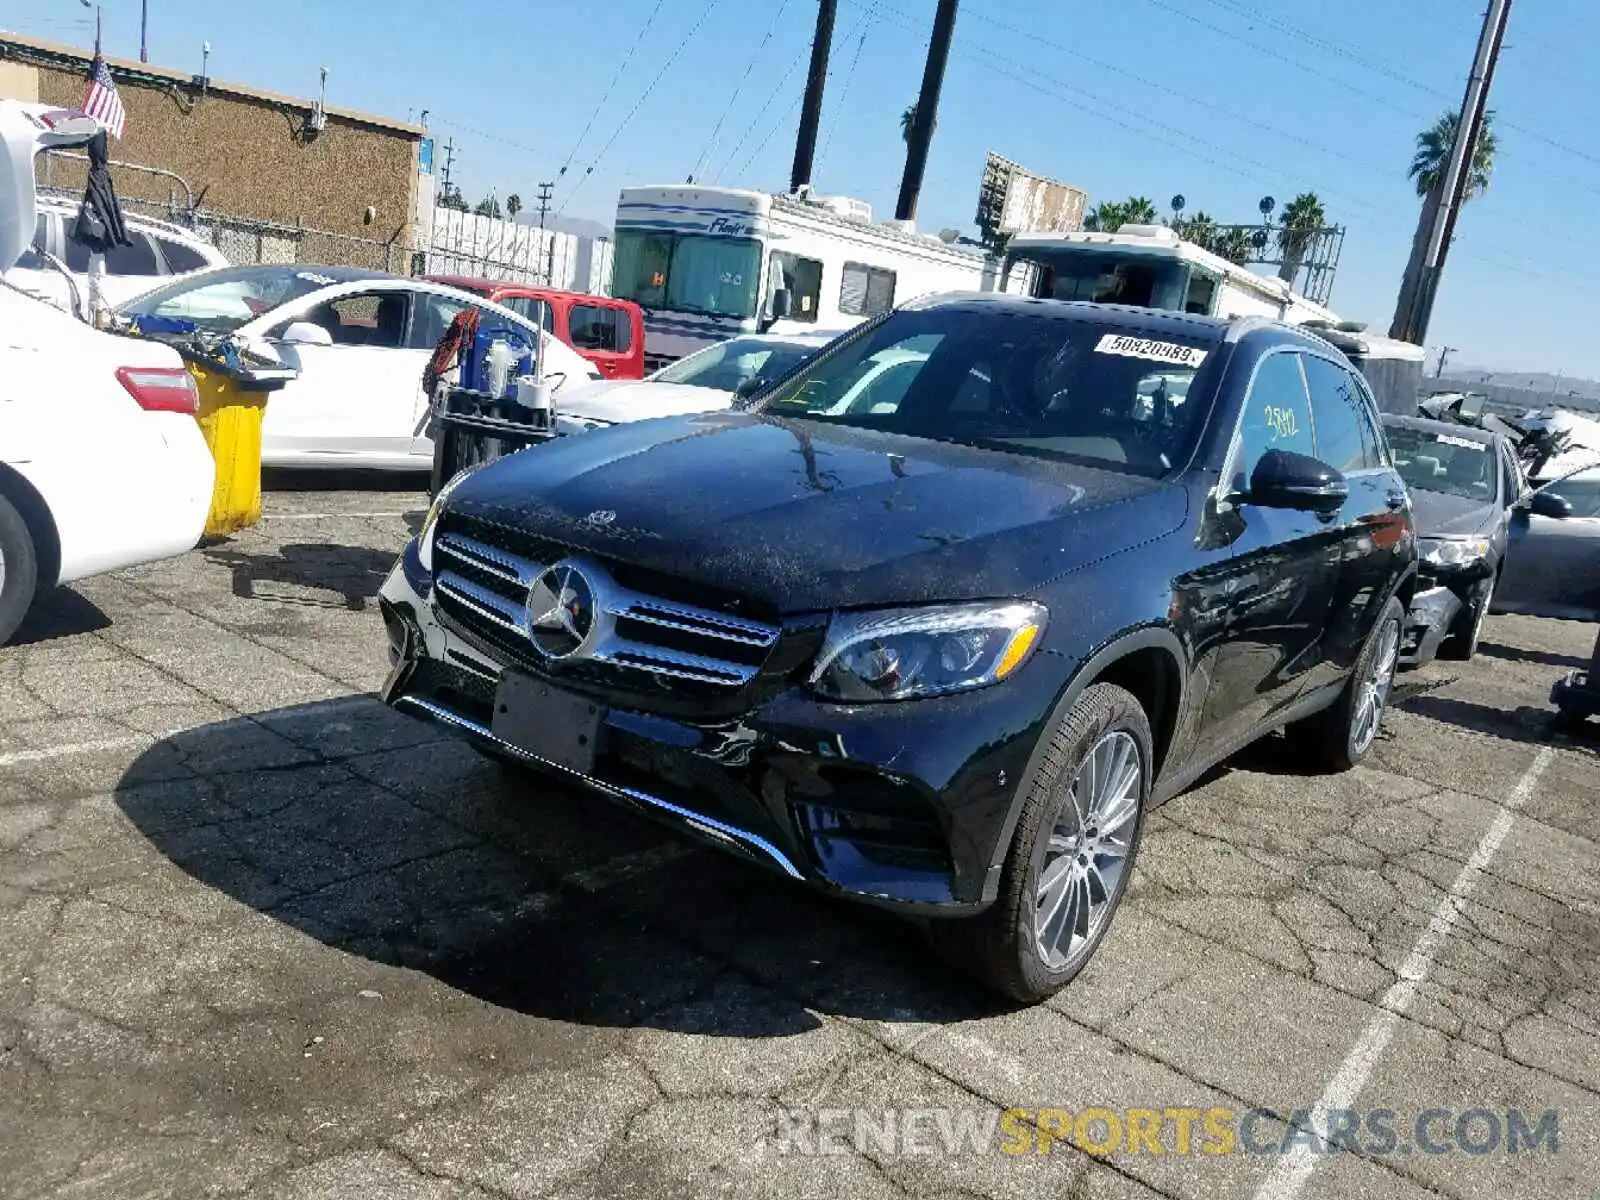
1443,462
687,272
1095,392
221,301
1109,275
729,365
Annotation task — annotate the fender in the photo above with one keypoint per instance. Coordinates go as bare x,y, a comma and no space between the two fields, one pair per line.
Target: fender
1146,637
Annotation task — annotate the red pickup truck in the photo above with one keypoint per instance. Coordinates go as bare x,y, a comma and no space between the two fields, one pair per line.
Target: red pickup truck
607,332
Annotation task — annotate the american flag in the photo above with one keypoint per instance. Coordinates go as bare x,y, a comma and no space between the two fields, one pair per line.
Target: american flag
101,101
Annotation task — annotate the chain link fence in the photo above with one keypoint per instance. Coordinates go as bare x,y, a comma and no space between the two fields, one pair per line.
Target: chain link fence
465,244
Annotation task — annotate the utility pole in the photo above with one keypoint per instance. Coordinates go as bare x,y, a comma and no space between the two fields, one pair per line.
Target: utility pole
1417,291
805,145
1444,353
144,30
449,160
927,111
546,191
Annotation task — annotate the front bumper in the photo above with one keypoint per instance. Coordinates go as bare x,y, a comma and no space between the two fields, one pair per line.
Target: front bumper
1433,611
904,805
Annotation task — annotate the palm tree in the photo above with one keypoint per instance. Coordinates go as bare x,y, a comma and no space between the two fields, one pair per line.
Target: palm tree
488,207
1200,229
1302,217
908,119
1433,155
1109,216
513,205
1427,169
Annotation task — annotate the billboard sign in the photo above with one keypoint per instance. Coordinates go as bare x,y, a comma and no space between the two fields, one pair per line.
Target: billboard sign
1012,199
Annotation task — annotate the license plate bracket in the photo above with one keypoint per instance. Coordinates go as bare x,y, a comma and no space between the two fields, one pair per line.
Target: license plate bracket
547,722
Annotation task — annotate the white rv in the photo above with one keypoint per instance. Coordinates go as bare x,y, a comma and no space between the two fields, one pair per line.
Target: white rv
708,263
1150,266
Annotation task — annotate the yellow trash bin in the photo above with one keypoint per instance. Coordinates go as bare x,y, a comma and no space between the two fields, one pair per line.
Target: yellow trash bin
230,415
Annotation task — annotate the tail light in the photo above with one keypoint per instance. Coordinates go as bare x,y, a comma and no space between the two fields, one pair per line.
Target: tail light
161,389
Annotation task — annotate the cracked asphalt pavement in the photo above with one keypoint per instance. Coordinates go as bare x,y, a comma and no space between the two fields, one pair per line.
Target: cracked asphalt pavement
261,936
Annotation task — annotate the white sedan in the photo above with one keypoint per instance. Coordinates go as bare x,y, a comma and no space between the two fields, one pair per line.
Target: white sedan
704,381
359,341
102,465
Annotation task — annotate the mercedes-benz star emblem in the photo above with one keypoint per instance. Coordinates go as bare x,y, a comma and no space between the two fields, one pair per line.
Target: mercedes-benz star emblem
561,611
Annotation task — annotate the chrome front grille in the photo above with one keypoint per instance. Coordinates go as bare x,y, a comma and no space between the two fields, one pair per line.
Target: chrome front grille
486,589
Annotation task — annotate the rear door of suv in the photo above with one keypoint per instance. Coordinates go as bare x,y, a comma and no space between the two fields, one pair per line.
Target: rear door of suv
1374,526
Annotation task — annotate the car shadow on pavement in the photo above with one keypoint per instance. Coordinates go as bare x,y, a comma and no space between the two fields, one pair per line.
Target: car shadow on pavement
286,479
352,573
1524,655
379,836
1521,724
62,612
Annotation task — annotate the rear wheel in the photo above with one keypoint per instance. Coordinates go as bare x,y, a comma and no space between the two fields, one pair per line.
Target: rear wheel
1071,855
1461,643
19,569
1344,734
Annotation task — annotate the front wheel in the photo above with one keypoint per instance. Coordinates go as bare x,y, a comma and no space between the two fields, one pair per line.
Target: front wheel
1071,855
1462,641
19,569
1344,734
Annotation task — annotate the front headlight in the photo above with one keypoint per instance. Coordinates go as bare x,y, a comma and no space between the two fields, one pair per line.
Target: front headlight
900,654
431,521
1454,552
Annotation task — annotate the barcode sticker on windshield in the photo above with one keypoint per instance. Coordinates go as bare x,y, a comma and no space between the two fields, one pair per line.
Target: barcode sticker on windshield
1165,352
1445,439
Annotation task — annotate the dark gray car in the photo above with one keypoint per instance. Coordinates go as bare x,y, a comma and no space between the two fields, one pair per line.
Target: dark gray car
1553,560
1464,486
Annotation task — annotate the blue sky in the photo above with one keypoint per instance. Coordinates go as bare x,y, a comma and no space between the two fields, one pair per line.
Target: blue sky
1220,100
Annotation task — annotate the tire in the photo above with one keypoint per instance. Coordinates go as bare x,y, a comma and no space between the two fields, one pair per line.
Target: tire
1461,643
1341,735
19,570
1006,946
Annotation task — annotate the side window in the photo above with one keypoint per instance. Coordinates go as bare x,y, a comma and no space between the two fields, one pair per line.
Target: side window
139,258
1510,477
373,319
803,278
1277,416
539,312
1202,293
433,317
594,327
181,258
1341,414
865,291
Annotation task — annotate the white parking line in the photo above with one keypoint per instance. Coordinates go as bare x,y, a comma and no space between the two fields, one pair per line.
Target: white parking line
44,753
1290,1173
327,516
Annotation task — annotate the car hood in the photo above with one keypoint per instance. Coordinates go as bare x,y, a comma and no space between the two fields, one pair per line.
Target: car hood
613,403
802,516
1440,514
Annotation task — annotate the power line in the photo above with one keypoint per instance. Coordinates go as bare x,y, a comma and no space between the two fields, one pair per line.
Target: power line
777,90
594,113
749,68
666,66
844,90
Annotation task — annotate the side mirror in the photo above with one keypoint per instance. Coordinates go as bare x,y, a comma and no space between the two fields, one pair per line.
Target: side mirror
1284,479
306,333
782,304
1548,504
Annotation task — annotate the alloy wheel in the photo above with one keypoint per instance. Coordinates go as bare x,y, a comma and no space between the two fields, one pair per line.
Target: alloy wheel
1374,689
1087,853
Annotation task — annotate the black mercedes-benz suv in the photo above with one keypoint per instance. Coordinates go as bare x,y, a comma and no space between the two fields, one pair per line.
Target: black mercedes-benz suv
936,619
